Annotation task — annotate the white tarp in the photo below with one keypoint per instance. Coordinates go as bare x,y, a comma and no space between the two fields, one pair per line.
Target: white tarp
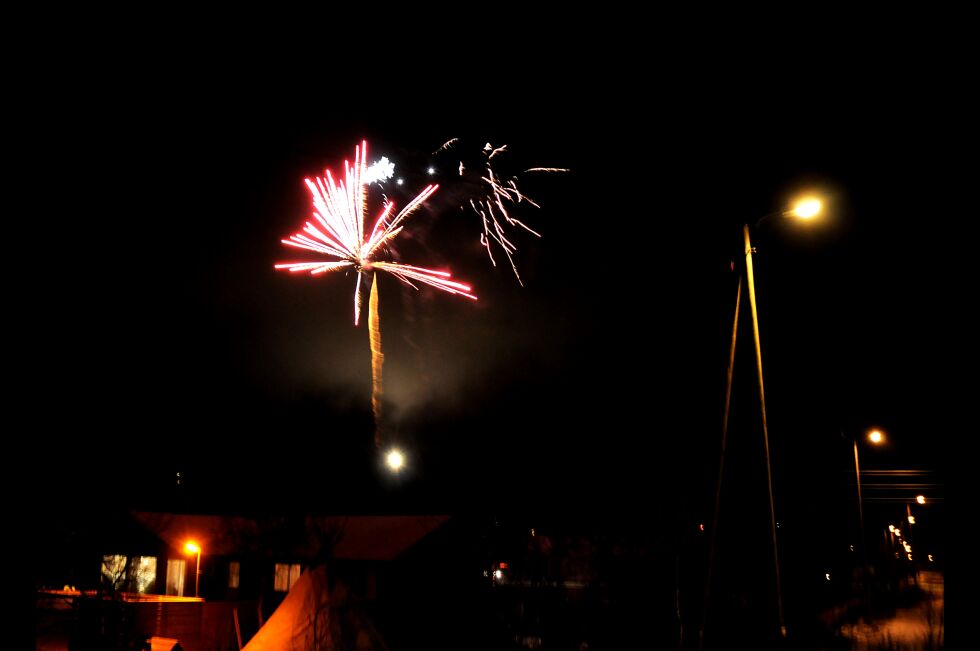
311,617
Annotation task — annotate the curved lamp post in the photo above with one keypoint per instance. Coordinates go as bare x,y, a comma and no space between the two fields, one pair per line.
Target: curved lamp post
804,209
877,438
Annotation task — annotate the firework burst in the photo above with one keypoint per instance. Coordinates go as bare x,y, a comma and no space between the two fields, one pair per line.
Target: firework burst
338,230
496,202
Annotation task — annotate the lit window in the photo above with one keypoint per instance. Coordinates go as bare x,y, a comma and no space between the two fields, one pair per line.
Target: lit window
113,570
140,573
145,572
176,569
234,568
286,576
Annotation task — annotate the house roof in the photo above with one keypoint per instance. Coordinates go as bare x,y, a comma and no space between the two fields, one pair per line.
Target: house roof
356,537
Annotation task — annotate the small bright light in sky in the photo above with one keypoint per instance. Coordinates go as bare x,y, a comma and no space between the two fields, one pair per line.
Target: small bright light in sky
431,170
891,528
497,574
921,499
400,181
382,170
395,460
911,519
827,575
875,436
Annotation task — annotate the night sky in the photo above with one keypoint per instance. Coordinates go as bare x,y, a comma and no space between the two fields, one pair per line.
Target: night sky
162,340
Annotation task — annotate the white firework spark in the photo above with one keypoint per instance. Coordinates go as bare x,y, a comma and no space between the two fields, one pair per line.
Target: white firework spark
382,170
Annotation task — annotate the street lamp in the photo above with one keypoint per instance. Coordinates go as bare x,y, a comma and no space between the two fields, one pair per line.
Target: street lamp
919,499
806,208
874,436
193,548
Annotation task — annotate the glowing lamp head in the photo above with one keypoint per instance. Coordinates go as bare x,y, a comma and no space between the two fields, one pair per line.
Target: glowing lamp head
876,437
192,548
807,208
395,460
921,499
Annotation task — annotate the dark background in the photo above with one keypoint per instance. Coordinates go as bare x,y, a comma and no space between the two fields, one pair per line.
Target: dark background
161,166
158,338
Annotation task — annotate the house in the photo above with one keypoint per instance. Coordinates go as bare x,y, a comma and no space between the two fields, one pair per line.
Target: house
218,591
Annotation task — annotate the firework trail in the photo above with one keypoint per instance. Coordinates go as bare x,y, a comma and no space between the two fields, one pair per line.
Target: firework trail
497,198
338,230
377,359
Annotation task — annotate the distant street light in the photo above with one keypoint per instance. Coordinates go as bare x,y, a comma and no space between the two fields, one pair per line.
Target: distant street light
193,548
876,437
908,512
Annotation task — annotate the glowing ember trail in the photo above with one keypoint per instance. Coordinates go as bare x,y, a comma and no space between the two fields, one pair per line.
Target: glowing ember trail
496,194
377,359
338,230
